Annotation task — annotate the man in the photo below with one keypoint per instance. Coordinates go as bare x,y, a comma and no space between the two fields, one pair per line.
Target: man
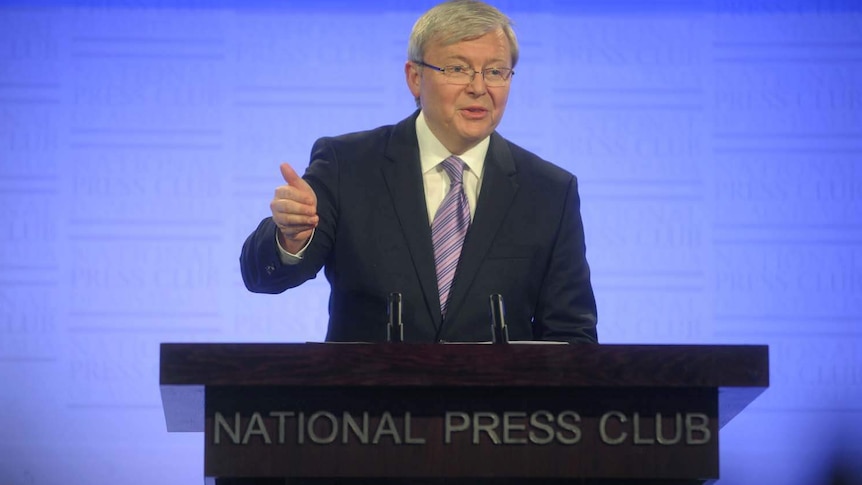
438,207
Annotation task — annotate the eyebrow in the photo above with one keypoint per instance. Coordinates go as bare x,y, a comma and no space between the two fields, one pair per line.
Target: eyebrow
467,62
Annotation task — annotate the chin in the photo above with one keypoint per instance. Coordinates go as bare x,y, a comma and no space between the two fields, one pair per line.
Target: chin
473,138
477,130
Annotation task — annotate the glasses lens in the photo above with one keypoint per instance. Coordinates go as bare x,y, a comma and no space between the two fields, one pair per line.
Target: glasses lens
457,74
496,77
464,75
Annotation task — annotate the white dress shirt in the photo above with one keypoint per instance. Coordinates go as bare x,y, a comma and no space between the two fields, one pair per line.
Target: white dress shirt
432,153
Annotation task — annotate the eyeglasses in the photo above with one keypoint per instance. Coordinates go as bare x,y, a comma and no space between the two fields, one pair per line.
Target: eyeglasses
493,76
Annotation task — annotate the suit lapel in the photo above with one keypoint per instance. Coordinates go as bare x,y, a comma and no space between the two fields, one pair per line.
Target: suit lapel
499,186
403,175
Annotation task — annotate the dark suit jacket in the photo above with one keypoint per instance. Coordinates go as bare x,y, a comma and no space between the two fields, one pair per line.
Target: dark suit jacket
526,242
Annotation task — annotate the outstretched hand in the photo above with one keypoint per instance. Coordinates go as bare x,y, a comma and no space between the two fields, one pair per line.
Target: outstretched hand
294,210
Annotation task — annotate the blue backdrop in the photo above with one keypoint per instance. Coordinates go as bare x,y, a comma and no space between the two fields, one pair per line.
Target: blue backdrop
718,146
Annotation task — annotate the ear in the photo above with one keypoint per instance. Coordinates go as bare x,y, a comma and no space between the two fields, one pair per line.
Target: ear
414,78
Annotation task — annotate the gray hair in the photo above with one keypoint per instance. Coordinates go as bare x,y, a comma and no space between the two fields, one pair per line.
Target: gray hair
458,20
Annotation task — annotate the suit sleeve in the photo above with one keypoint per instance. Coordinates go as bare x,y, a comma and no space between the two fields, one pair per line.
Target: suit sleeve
260,264
566,308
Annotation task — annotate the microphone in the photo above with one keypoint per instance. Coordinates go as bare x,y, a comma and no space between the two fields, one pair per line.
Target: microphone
395,328
499,331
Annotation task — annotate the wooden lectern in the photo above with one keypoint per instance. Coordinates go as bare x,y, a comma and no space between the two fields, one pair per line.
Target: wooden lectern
458,413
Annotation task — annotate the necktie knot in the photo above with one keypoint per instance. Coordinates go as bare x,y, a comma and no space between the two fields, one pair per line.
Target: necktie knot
454,168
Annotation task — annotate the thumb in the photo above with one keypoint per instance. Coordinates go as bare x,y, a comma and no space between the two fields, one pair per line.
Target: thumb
291,177
289,174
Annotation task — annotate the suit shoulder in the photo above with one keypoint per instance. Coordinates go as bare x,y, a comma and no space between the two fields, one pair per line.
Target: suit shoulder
381,133
359,149
537,166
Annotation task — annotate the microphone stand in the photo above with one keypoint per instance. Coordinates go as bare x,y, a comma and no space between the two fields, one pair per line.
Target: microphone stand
499,331
395,328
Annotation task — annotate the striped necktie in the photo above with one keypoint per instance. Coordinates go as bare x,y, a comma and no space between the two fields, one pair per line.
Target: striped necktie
449,228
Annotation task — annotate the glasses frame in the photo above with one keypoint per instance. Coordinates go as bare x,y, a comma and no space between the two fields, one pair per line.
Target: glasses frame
472,76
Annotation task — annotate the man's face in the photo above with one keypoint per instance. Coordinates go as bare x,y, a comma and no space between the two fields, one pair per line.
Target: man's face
461,116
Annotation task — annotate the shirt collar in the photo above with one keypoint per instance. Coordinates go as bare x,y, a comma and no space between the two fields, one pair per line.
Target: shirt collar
432,152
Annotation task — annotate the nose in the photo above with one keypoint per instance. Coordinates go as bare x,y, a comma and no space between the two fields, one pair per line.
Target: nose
477,84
